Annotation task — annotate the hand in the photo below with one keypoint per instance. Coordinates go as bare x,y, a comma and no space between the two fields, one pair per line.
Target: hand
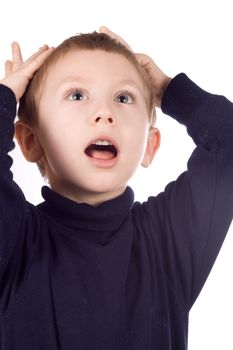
18,73
159,79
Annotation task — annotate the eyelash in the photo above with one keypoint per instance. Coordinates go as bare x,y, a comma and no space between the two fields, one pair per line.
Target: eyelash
129,93
125,92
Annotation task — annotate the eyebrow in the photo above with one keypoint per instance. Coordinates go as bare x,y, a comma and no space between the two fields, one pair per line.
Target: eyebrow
130,82
84,80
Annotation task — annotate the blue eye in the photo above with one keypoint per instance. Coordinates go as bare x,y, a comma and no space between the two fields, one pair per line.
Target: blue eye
76,95
125,97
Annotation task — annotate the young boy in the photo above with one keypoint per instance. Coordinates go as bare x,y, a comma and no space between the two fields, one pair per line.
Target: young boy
89,268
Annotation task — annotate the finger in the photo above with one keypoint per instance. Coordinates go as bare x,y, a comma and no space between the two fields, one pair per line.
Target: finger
39,52
36,62
143,59
147,62
44,47
16,53
104,29
8,67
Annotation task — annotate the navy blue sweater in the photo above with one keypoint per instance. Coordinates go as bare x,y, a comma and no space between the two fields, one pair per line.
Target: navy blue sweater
123,275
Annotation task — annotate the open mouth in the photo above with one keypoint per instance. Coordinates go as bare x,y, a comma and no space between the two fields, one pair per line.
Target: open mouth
105,150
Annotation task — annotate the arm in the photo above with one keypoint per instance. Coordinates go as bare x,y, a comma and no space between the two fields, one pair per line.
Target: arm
197,208
13,205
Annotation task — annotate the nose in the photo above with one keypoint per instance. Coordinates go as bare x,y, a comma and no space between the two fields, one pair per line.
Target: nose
103,117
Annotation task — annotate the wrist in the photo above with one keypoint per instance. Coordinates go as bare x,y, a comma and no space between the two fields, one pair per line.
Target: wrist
163,86
8,100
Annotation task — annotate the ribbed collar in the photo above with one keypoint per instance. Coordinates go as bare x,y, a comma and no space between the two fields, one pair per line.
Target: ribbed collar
108,216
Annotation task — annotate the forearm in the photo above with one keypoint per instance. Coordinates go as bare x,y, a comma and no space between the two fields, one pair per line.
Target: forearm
208,117
12,201
199,204
7,116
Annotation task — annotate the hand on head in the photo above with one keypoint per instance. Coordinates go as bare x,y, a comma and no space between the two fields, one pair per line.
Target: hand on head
18,73
158,78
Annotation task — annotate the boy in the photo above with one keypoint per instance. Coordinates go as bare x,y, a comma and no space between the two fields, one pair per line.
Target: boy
88,268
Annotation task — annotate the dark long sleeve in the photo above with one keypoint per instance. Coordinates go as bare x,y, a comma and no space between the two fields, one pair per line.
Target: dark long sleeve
196,210
16,243
11,198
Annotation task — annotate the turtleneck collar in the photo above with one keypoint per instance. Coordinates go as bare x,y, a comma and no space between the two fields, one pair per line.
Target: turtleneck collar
108,216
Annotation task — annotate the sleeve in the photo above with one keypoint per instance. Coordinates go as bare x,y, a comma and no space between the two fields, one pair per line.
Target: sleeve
15,242
195,211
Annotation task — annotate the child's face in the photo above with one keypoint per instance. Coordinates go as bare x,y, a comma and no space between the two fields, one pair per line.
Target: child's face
85,99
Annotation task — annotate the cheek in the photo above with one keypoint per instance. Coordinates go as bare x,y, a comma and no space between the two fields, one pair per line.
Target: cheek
56,129
59,138
55,142
137,140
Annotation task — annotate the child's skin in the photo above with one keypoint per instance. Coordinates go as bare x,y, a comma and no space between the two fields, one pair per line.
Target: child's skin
67,125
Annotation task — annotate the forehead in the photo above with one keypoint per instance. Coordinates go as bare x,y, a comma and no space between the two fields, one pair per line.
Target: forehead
92,65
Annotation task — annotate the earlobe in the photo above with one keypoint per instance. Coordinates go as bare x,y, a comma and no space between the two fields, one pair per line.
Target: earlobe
153,143
28,142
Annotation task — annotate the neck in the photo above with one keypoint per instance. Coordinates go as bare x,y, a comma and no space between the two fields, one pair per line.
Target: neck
89,197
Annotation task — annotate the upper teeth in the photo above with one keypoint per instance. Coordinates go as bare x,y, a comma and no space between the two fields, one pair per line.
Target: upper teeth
102,143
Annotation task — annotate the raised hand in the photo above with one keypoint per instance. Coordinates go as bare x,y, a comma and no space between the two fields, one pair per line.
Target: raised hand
159,79
18,73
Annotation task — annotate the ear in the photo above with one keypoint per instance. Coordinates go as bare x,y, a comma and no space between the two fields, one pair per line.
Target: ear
153,143
28,141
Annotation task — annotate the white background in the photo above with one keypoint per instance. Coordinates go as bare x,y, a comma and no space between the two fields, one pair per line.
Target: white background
194,37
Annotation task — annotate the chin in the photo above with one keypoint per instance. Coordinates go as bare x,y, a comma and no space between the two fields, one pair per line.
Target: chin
103,188
106,185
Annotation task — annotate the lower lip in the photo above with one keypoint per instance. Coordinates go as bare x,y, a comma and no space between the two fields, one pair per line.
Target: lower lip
103,163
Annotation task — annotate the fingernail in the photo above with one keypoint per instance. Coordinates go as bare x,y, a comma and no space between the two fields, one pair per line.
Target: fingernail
103,28
43,47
